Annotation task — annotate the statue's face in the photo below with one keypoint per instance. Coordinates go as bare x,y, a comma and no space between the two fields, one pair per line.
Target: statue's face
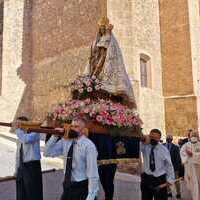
102,30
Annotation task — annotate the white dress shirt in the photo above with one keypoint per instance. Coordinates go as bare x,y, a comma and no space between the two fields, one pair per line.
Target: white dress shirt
84,163
163,162
31,146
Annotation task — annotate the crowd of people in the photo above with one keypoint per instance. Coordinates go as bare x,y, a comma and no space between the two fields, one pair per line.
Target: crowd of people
164,165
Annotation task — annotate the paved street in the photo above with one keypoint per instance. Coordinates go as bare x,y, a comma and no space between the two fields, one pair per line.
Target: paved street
126,186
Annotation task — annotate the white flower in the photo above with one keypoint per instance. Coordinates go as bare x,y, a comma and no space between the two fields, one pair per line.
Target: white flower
82,104
89,89
81,90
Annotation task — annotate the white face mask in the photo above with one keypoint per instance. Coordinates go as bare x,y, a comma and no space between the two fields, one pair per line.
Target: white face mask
194,139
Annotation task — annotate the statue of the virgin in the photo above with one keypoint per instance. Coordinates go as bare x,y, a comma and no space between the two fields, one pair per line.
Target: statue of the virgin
106,63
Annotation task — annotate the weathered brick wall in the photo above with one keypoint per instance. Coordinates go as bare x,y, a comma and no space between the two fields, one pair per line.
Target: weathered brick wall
62,32
181,114
13,88
180,58
176,48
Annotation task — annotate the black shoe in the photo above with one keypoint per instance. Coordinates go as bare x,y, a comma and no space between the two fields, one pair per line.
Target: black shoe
178,196
169,194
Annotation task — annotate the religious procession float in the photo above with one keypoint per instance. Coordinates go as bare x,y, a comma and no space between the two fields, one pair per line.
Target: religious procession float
103,96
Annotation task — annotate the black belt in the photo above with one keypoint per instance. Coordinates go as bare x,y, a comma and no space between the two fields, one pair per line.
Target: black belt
152,176
79,183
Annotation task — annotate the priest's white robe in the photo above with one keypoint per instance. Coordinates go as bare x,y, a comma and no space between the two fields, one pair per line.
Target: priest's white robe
192,168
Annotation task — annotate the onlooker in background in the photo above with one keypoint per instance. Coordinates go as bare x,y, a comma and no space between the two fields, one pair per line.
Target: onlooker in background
190,155
181,142
176,161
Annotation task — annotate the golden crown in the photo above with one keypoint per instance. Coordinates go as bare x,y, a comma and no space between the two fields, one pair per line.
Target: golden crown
103,21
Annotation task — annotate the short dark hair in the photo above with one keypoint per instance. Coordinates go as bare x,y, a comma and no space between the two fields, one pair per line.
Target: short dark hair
156,131
23,118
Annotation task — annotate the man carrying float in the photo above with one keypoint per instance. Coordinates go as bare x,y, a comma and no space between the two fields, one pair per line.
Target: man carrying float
81,179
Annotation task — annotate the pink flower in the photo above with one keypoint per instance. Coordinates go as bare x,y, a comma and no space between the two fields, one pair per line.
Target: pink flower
86,110
104,113
87,101
77,105
99,118
78,82
88,83
109,122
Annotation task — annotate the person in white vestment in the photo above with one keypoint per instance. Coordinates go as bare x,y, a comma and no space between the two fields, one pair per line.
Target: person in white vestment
190,156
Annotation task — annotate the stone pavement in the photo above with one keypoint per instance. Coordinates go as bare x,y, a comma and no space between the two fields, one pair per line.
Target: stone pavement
126,187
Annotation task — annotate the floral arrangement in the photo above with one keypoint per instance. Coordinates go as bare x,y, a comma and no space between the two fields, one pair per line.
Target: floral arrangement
104,112
84,85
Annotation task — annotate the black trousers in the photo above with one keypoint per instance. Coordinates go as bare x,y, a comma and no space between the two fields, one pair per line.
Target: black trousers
76,191
29,181
148,184
106,150
107,175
